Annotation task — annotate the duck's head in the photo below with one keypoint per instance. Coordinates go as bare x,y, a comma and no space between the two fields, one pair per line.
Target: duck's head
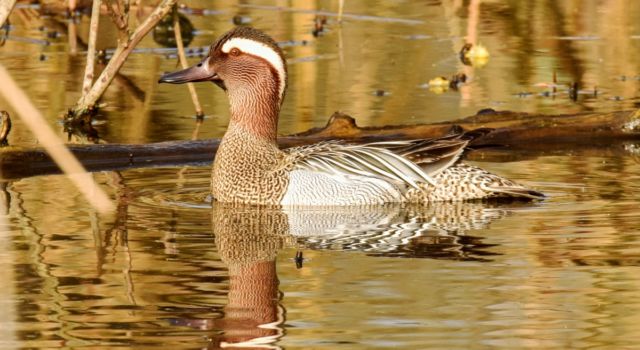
243,60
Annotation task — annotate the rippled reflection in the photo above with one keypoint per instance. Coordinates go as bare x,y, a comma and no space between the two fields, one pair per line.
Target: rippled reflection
248,239
434,231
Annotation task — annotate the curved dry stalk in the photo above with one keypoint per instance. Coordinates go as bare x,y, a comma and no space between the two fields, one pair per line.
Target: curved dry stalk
125,47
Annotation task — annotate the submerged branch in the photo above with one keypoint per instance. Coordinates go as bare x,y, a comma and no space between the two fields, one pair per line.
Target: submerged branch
525,133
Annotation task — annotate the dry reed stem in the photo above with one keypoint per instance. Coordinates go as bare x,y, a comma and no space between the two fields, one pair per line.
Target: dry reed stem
183,62
72,37
5,10
91,50
119,57
73,4
67,162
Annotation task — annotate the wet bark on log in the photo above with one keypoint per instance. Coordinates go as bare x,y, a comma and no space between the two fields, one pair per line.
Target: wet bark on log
528,134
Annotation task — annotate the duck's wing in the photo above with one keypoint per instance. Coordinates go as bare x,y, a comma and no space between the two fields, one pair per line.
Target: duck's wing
436,154
408,162
432,157
358,160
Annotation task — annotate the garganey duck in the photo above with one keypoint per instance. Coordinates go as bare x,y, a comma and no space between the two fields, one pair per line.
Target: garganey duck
250,168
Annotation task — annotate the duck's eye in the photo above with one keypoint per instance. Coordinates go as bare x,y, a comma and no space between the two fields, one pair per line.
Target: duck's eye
235,52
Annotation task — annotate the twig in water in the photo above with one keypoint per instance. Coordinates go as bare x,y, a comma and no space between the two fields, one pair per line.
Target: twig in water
573,91
299,259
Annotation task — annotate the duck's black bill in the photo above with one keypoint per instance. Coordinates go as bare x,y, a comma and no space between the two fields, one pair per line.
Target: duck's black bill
199,72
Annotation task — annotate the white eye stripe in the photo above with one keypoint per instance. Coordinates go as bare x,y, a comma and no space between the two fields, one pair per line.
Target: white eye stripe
261,50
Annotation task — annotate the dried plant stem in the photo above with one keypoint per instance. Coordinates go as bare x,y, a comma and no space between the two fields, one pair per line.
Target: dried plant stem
125,47
340,10
34,120
5,9
72,35
183,62
91,50
72,5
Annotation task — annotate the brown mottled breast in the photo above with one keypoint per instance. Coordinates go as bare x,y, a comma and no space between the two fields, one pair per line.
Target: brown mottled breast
247,170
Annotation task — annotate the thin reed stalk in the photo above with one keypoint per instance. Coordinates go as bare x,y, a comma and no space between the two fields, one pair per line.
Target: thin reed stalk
183,62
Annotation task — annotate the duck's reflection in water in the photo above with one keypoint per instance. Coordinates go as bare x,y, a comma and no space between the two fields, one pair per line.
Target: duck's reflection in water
248,239
438,231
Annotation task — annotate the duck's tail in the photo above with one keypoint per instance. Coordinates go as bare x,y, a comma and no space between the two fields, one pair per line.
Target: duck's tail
466,182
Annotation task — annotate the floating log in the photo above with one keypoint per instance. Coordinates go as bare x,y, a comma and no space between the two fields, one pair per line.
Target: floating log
529,134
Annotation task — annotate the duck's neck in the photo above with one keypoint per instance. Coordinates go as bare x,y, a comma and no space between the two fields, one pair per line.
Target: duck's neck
255,109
